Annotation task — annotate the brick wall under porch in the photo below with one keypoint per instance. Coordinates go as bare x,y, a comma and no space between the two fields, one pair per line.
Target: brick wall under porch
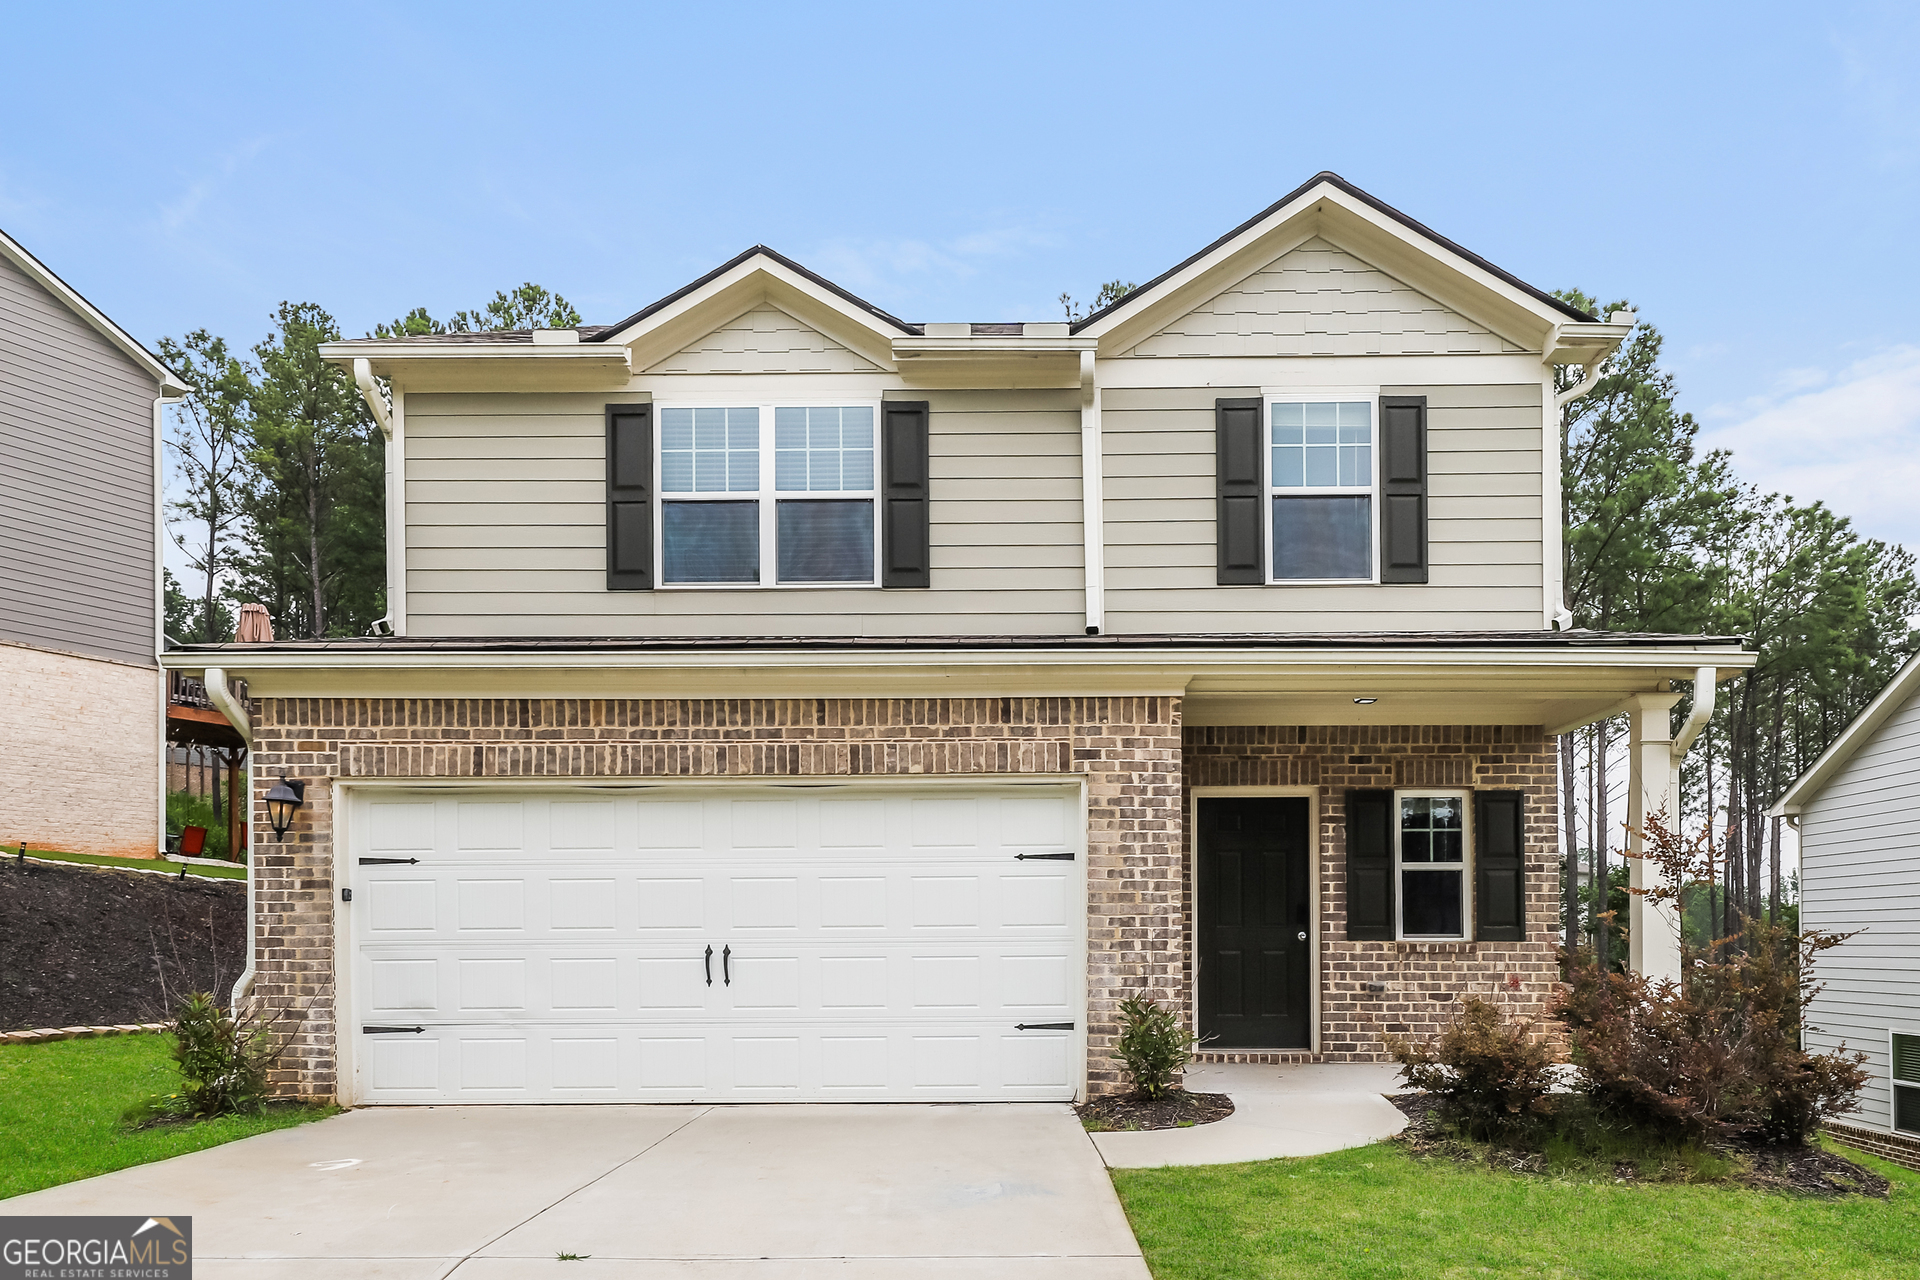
1127,749
1371,990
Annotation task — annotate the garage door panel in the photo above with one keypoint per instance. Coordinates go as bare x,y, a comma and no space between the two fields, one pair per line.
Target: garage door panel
552,947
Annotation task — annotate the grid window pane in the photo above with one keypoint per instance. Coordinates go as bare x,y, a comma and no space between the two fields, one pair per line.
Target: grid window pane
709,450
1431,829
825,541
710,541
823,450
1430,903
1906,1108
1322,537
1323,445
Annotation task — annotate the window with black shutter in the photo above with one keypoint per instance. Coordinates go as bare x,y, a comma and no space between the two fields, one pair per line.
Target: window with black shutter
1370,913
906,523
1499,891
629,497
1403,488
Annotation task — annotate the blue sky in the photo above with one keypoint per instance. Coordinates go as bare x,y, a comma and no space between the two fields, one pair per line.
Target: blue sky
1746,174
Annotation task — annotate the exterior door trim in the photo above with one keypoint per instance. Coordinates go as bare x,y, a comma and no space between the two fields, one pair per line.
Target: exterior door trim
1312,796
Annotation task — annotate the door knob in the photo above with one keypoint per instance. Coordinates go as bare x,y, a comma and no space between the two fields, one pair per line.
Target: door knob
1303,935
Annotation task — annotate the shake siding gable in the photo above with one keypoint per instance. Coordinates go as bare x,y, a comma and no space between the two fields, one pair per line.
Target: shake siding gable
1860,870
507,527
77,486
1320,300
1484,524
766,340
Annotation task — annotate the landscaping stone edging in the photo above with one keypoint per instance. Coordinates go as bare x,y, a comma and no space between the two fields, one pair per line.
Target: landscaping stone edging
45,1034
1898,1148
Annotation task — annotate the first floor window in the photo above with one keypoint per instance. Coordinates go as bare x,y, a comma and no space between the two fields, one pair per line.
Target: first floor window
1430,857
726,518
1906,1083
1320,472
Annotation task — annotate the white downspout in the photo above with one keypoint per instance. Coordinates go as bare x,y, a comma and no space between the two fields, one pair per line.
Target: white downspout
222,697
160,597
1092,496
1706,693
1550,515
385,417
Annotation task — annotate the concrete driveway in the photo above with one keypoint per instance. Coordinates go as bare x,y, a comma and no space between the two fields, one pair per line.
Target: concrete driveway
692,1193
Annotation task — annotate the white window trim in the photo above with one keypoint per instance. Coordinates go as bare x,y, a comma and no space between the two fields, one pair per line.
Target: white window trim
1319,395
766,495
1466,866
1895,1082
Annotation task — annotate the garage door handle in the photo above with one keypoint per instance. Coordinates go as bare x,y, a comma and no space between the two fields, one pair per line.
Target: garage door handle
1043,1026
726,964
392,1031
388,862
708,962
1043,857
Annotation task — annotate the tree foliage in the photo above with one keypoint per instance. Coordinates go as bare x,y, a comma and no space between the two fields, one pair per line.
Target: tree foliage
207,438
528,307
1110,292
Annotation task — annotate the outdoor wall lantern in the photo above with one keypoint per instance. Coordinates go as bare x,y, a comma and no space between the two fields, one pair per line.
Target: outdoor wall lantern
281,802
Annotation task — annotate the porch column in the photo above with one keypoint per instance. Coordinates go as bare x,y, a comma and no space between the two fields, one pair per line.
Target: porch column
1653,932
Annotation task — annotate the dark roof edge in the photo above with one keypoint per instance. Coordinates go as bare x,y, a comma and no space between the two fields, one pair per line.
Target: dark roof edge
1210,640
1372,202
730,264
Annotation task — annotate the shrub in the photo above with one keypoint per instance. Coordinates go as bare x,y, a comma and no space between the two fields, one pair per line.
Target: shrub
1153,1046
223,1061
1490,1074
186,809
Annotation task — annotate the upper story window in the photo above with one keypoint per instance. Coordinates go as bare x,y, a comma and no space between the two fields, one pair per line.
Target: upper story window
727,519
1321,476
1430,856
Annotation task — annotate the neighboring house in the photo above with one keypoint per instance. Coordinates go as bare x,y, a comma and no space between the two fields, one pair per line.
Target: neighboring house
82,718
1857,811
788,701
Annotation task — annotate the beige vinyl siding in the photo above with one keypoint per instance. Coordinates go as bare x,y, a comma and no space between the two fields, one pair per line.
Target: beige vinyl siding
765,340
1860,871
506,528
1320,300
1484,527
76,482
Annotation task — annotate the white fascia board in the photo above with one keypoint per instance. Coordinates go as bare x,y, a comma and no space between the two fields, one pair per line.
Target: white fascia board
1315,202
989,344
383,354
1585,344
1856,735
170,385
742,275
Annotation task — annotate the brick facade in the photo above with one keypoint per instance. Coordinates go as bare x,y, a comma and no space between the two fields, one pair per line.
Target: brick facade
1900,1148
1127,749
1138,768
1423,980
83,753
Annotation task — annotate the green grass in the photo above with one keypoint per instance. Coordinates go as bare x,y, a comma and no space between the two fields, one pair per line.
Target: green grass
1377,1212
61,1105
235,872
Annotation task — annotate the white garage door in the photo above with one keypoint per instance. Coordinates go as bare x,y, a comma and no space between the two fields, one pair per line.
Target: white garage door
720,945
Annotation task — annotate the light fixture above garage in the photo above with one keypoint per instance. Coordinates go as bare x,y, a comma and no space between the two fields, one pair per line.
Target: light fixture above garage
282,800
1365,702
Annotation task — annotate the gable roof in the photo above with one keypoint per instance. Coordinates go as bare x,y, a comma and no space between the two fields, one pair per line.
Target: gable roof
1855,736
42,275
757,251
1327,177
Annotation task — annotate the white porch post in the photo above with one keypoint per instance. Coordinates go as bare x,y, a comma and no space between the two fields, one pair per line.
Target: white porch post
1654,933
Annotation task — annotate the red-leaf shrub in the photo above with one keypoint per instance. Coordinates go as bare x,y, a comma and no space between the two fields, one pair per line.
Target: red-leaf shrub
1490,1073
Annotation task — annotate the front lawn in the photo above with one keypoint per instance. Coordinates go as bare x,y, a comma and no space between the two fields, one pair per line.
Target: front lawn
1377,1211
169,865
61,1105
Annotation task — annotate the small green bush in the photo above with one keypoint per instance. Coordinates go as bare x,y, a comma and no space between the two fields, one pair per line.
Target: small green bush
1153,1046
223,1061
1490,1073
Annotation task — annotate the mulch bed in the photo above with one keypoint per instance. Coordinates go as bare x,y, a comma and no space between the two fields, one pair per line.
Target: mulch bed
85,946
1178,1110
1807,1170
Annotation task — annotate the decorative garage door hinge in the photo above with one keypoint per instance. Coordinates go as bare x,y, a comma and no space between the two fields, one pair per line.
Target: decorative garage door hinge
392,1031
388,862
1043,857
1043,1026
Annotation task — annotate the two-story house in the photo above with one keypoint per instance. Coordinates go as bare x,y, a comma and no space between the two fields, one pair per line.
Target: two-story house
83,713
789,701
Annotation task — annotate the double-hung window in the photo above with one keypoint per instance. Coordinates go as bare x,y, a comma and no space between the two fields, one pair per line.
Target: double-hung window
1321,481
1430,864
767,495
1906,1082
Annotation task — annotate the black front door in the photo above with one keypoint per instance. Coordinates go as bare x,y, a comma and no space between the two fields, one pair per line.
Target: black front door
1252,923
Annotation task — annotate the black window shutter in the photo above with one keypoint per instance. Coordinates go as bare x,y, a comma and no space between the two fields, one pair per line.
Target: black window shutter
1370,866
1499,866
1236,439
906,511
629,497
1403,488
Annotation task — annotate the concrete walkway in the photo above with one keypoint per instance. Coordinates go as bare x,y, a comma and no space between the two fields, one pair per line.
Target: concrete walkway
1277,1111
651,1192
